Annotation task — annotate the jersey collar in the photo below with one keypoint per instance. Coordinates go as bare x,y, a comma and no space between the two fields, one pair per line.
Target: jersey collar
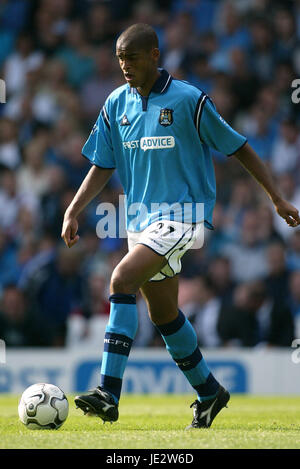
162,83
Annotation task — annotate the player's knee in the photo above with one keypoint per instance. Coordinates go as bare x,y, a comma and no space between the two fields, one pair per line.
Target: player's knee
122,283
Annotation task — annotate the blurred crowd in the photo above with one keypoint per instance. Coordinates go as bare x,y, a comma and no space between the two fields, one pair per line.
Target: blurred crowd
58,62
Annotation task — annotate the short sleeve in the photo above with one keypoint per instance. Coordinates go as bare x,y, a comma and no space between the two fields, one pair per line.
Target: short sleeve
98,147
216,133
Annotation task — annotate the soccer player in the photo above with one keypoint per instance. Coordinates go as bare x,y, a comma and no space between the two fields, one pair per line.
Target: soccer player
157,131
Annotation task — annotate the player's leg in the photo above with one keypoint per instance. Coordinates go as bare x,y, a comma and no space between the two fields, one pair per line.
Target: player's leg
181,342
135,268
179,335
161,299
140,264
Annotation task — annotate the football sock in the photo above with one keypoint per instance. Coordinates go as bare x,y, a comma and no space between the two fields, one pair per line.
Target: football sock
181,342
119,334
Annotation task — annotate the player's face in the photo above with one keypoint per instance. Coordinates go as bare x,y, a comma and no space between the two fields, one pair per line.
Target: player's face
137,65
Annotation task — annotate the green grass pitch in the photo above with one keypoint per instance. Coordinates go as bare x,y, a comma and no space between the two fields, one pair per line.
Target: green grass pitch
158,422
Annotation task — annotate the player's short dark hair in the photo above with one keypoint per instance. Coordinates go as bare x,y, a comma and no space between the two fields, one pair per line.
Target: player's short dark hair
139,35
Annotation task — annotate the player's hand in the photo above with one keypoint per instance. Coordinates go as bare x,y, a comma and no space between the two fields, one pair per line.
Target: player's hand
288,212
69,231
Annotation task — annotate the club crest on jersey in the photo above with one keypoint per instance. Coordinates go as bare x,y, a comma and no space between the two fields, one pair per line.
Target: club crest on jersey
166,117
125,120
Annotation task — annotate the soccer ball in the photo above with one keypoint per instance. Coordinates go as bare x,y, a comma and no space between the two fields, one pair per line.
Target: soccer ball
43,406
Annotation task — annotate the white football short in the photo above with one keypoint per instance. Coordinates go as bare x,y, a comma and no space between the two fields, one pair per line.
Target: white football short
170,239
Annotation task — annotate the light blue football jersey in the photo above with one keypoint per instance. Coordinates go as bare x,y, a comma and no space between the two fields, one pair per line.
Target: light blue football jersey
160,146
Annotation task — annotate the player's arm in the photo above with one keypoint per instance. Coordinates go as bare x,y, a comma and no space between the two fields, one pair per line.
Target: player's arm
253,164
216,133
91,186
